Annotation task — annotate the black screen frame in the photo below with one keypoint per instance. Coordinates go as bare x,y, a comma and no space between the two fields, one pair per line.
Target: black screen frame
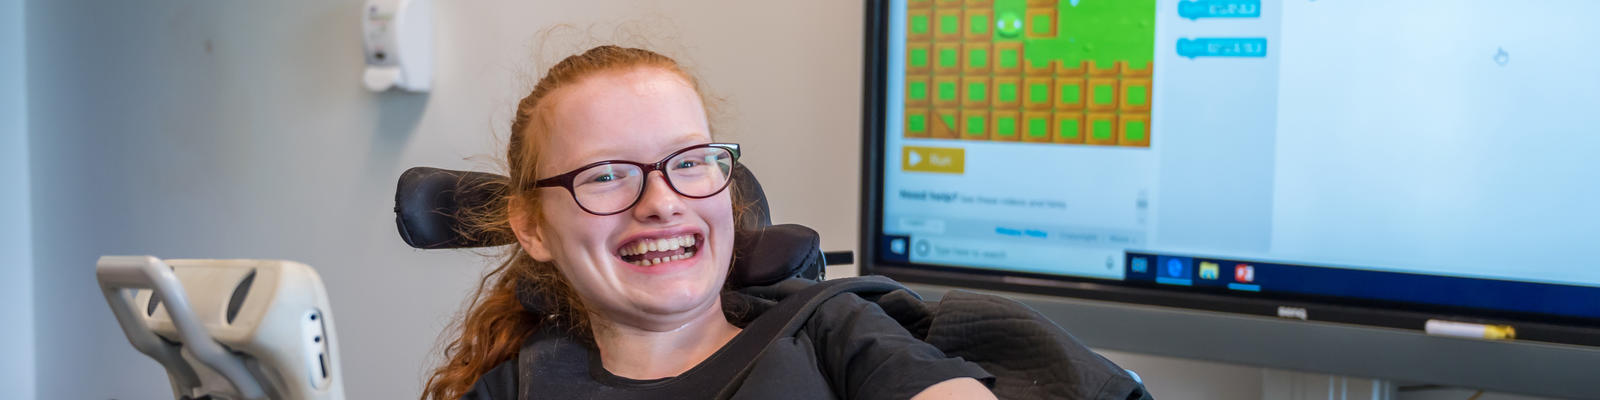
1364,312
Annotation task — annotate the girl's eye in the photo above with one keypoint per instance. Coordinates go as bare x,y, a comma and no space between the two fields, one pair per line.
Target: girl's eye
687,163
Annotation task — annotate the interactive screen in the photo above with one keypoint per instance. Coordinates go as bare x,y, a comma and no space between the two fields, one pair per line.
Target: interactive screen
1427,153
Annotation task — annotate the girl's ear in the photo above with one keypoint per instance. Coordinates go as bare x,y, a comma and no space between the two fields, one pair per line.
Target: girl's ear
529,234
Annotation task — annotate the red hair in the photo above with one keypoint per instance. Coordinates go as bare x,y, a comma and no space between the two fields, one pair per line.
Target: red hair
491,329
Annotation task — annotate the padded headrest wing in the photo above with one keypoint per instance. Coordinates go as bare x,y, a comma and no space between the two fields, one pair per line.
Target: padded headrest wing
428,201
427,204
769,255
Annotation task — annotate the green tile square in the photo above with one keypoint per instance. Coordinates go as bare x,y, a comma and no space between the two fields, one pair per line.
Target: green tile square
1005,126
978,91
919,90
1008,92
1041,24
1135,130
978,58
947,24
1008,58
975,125
978,24
1038,93
1135,95
947,58
919,24
1101,130
917,123
947,91
1102,94
1038,128
949,120
919,58
1071,93
1068,128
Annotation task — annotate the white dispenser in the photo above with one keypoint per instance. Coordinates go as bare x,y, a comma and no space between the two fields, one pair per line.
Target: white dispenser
398,38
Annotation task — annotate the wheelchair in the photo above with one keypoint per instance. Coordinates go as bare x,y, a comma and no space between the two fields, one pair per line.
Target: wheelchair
263,329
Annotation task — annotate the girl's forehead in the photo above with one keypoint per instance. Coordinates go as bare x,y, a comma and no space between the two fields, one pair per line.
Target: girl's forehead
630,115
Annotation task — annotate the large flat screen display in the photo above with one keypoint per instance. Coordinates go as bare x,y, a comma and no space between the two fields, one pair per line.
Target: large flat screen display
1435,159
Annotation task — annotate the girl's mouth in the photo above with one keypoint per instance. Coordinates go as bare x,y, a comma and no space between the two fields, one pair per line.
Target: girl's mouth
647,252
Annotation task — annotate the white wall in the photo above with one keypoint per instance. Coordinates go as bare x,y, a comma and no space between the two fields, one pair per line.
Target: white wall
240,129
202,129
16,238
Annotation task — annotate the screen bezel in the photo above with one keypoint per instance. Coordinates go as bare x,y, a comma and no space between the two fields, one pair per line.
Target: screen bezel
1366,312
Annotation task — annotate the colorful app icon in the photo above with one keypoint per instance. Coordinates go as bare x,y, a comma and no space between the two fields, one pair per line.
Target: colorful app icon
1141,265
1174,268
1244,273
1208,270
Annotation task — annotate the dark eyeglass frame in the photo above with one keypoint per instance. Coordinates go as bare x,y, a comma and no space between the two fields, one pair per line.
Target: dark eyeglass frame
565,180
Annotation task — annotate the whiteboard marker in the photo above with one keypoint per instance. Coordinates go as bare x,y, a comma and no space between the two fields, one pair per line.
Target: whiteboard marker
1470,330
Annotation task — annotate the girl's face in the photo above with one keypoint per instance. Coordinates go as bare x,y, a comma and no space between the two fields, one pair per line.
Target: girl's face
640,115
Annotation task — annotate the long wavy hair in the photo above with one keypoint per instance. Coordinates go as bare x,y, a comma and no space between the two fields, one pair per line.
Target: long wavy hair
491,329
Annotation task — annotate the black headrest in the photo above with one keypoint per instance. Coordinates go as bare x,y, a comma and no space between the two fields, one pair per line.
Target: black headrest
427,202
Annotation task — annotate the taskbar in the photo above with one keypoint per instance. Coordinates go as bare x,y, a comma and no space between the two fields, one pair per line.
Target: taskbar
1250,277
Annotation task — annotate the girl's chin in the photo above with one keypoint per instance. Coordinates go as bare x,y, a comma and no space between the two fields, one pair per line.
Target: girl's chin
675,299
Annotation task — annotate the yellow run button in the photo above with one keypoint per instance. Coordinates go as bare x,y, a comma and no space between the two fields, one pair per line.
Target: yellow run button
947,160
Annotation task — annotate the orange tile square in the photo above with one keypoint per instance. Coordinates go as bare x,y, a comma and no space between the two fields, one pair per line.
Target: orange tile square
919,58
1006,92
946,58
1075,70
1038,93
977,58
1067,127
978,23
1008,59
980,3
919,4
943,122
1133,130
1037,126
1108,72
947,24
1101,94
1144,72
917,123
1040,22
976,92
1038,67
1005,126
1100,129
920,17
945,91
1070,94
974,124
919,91
1134,95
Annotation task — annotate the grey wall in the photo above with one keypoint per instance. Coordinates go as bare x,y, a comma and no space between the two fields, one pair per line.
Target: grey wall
16,239
240,129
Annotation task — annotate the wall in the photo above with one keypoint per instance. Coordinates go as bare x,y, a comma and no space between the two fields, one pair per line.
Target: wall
16,238
198,129
240,129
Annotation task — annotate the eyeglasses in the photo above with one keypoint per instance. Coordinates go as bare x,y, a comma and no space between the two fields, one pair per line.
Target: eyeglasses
610,187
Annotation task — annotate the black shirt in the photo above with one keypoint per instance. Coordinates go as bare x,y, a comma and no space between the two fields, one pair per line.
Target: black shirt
848,349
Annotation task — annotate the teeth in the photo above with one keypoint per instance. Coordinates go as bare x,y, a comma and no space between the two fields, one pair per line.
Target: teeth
664,244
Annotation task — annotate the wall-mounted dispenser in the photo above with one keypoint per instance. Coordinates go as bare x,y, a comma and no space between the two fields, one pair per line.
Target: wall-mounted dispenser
398,40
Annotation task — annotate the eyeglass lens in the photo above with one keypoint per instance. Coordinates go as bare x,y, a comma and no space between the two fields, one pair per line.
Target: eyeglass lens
610,188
